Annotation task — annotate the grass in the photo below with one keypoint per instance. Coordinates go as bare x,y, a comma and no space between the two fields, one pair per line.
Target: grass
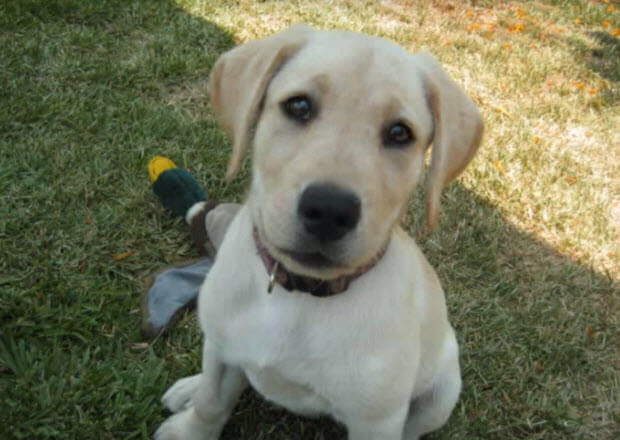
527,249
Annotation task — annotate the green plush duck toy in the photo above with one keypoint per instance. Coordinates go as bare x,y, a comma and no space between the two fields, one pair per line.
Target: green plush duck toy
176,189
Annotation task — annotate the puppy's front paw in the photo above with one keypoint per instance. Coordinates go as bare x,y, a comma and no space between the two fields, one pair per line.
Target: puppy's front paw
168,431
185,426
180,396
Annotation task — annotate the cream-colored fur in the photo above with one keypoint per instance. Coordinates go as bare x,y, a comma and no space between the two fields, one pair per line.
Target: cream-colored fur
380,357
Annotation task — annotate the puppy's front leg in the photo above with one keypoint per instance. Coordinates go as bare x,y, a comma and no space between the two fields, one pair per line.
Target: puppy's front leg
217,391
384,428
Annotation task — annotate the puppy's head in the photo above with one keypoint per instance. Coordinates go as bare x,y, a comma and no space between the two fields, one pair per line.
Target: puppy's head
339,123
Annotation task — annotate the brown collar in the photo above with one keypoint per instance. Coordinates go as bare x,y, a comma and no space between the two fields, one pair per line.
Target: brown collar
314,286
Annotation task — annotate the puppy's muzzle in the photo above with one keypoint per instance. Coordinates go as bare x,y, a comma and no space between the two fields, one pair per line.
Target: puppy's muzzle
328,212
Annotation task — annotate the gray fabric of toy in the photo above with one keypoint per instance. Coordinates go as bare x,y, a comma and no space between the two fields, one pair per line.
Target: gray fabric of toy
172,291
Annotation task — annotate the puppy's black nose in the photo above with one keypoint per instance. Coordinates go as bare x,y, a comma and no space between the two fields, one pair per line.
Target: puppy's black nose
328,212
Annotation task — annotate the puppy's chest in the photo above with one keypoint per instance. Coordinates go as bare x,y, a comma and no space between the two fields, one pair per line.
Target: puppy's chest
273,384
277,351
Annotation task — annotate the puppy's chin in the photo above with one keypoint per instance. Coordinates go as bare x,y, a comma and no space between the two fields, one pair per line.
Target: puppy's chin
313,260
311,264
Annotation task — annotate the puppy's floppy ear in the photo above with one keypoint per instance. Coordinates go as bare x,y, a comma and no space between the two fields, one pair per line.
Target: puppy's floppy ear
239,80
458,132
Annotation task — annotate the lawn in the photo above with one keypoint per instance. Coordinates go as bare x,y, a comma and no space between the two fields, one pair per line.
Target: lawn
527,248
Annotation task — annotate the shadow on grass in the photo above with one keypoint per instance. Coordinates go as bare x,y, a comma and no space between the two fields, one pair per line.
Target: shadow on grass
534,328
97,88
605,59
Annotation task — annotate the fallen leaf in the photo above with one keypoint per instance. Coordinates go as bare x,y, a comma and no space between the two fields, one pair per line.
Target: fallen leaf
516,28
589,331
121,256
503,111
498,166
473,27
538,368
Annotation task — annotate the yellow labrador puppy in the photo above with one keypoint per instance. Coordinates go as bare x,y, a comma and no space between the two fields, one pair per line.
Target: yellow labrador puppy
317,297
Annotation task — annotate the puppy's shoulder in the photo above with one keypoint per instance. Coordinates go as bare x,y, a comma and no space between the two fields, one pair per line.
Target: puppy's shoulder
423,285
420,268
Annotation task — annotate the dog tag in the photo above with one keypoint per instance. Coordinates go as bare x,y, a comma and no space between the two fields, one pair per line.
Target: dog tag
272,277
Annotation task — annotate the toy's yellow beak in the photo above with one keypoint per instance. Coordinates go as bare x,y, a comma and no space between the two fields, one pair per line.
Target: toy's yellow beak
158,165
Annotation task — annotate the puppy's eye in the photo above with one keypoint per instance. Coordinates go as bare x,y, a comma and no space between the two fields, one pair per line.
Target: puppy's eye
298,108
397,135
